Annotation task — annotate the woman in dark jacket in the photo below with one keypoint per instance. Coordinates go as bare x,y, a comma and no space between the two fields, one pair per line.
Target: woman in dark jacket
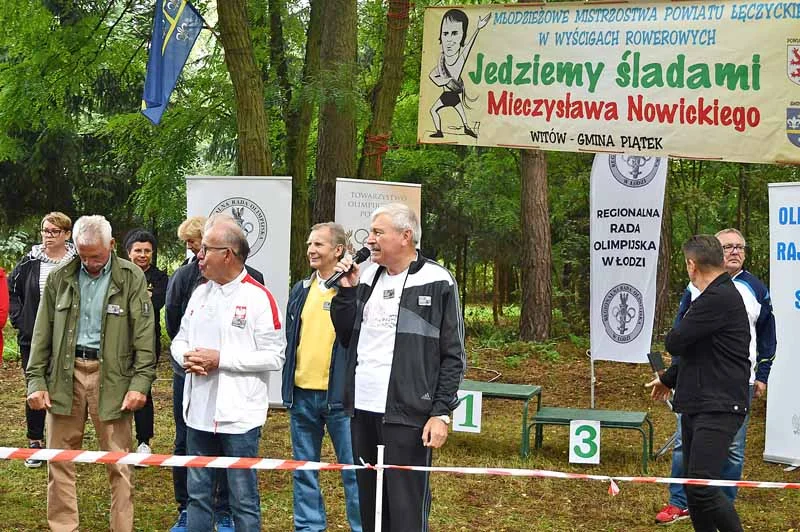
25,287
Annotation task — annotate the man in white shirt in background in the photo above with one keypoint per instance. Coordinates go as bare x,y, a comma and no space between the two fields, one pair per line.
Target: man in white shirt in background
230,338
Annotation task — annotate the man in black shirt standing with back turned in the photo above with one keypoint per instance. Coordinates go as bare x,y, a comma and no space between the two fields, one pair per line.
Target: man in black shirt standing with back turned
711,380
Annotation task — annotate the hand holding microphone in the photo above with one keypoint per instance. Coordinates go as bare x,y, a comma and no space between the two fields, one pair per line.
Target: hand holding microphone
362,255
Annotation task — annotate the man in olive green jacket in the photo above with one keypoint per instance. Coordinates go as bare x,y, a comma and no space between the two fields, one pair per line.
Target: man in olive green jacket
92,353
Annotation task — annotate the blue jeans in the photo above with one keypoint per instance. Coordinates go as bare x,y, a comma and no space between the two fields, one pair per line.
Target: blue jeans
732,470
179,479
242,483
309,415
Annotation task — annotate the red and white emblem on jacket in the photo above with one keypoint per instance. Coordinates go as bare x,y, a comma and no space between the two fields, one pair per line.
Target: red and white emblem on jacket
239,317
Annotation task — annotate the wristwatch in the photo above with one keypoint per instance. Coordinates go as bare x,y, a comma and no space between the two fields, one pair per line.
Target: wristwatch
444,419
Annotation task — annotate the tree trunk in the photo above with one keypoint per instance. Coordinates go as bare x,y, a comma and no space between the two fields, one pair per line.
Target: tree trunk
464,278
743,204
662,317
535,312
383,97
496,291
253,157
336,144
298,127
502,292
277,56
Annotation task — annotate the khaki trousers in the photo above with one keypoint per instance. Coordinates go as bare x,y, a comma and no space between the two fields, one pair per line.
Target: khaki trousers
66,432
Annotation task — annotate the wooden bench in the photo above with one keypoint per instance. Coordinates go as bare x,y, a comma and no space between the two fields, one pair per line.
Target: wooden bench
521,392
612,419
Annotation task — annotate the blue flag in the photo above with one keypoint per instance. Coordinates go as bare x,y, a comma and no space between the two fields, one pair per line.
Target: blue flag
175,29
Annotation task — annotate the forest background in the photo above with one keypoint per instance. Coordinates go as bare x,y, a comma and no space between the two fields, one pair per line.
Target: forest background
320,89
316,90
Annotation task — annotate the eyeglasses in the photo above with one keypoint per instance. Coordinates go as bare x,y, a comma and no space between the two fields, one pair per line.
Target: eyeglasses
53,232
205,249
730,248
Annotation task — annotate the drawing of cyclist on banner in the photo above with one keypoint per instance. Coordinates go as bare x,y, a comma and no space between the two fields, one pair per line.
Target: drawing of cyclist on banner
447,73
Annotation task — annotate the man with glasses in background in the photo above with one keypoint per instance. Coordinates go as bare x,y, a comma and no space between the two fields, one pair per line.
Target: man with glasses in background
762,352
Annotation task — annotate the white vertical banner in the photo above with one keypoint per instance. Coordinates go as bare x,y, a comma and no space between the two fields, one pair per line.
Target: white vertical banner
783,409
357,198
262,206
627,198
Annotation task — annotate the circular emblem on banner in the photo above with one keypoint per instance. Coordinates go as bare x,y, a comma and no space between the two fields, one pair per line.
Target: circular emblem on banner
250,218
622,312
633,170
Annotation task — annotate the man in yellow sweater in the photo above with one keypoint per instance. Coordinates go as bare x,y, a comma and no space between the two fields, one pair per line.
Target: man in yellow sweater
313,381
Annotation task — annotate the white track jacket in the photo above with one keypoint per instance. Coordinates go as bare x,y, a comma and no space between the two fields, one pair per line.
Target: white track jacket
240,319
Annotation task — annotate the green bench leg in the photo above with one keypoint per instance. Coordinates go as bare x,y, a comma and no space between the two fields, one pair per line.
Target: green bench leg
644,448
524,447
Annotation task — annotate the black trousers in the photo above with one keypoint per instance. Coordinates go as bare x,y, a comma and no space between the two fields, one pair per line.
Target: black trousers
406,494
34,419
706,438
144,420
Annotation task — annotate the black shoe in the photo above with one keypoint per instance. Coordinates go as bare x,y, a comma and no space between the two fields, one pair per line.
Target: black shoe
438,134
469,132
30,463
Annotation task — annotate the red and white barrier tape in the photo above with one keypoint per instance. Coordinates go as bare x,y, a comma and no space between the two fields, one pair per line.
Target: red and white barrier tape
165,460
227,462
613,489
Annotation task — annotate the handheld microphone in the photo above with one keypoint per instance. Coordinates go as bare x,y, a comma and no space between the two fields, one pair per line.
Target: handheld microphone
360,256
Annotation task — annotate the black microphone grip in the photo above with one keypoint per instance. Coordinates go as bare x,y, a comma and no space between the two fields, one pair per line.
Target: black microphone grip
360,256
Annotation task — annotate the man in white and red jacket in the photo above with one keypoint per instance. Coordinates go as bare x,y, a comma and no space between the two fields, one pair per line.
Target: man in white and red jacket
230,338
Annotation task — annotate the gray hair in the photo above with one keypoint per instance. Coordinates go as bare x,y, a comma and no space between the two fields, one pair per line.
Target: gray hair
91,230
338,234
403,217
234,237
731,230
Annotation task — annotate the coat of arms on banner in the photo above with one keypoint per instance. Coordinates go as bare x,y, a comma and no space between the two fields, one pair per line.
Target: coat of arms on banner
793,125
250,218
633,170
793,62
622,312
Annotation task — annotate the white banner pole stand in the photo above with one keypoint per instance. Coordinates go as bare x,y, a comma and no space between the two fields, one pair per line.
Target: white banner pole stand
379,490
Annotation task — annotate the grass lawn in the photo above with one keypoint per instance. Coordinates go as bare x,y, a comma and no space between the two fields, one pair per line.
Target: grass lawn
461,503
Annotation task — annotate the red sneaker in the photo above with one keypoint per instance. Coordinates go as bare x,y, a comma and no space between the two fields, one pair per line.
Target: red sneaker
670,514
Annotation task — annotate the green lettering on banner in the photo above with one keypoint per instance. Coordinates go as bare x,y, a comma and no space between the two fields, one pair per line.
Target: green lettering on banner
632,71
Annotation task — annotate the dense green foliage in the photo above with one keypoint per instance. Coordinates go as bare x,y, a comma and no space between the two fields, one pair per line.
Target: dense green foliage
72,139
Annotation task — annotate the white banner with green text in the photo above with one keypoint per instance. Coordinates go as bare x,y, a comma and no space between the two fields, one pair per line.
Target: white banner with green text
713,80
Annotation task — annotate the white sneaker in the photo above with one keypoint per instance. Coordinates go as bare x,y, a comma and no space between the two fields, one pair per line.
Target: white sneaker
143,449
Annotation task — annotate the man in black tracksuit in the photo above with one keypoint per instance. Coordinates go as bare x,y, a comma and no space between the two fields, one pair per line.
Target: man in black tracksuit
401,324
711,380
